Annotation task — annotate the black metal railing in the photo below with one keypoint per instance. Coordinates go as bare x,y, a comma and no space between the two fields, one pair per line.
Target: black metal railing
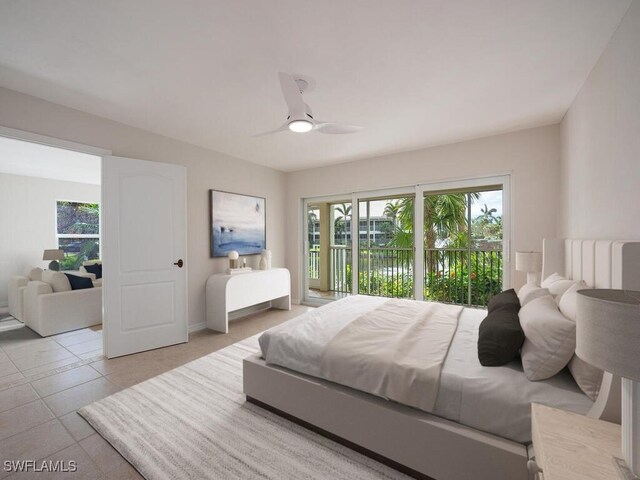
386,272
460,276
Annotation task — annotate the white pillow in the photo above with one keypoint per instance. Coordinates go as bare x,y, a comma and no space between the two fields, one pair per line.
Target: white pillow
557,284
550,338
569,300
58,281
588,377
35,274
530,291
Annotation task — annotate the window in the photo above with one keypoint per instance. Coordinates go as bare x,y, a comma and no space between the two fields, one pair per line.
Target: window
446,242
78,232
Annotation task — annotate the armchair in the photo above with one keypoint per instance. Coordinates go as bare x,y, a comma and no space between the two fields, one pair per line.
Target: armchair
50,309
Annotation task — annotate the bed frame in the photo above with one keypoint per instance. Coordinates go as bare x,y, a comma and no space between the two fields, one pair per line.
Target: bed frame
424,445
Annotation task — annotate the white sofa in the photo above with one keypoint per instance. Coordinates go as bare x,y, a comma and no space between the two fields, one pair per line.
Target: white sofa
52,307
17,286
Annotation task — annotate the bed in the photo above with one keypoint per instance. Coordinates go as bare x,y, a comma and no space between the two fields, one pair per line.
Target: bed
481,419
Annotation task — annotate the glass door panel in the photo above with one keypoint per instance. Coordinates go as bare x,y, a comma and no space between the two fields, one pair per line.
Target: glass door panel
385,260
486,246
328,250
463,260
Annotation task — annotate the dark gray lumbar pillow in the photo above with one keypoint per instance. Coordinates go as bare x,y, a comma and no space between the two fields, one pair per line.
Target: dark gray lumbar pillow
500,334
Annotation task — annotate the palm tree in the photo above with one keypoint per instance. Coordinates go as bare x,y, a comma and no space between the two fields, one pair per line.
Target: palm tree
391,210
444,218
488,214
344,211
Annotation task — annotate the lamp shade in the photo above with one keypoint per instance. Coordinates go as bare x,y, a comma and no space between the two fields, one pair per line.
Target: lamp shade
530,262
54,254
608,331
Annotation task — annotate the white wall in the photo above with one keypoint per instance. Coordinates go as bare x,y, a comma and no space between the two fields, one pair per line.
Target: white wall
532,157
206,170
28,219
601,143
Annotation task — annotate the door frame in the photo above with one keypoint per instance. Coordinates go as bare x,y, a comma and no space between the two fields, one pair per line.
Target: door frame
419,190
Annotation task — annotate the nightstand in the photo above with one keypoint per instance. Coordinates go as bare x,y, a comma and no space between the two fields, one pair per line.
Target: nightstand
569,446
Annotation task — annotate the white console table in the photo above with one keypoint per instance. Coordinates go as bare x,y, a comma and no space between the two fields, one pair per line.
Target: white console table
228,293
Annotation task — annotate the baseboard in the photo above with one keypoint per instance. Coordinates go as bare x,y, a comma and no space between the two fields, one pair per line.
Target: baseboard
197,327
4,304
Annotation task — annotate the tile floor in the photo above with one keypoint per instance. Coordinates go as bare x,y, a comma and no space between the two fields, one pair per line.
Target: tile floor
43,381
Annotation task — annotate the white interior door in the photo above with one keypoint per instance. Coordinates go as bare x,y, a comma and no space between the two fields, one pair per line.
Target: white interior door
144,248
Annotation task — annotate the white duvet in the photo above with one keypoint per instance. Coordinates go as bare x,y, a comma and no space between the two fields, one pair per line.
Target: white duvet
493,399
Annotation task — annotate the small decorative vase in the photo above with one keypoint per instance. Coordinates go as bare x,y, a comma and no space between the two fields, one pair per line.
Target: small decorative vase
265,260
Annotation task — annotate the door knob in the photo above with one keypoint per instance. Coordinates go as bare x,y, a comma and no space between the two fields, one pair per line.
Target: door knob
179,263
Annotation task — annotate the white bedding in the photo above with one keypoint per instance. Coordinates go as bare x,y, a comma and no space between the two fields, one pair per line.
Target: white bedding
493,399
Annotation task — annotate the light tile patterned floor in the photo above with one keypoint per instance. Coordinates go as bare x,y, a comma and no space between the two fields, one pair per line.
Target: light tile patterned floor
44,381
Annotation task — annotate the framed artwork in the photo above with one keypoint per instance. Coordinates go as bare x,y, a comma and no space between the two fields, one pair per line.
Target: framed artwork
238,222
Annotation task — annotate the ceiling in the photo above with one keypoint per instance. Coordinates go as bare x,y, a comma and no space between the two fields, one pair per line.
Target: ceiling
35,160
414,73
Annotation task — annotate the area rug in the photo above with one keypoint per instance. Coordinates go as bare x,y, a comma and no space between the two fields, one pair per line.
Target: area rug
193,423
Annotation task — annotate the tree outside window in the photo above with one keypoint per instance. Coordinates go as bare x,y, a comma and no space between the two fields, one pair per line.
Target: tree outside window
78,232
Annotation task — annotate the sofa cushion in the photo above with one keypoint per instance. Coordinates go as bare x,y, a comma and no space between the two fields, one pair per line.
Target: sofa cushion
58,281
35,274
79,283
95,268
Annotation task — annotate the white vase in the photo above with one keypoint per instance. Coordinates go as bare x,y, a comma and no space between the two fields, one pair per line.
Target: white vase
265,260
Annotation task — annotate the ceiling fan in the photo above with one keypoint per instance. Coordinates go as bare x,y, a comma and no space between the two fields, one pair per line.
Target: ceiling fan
300,118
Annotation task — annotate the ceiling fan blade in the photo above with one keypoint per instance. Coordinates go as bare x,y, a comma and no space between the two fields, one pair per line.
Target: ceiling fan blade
336,128
292,95
280,129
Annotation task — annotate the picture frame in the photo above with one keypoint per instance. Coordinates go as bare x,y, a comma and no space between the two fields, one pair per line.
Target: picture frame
237,222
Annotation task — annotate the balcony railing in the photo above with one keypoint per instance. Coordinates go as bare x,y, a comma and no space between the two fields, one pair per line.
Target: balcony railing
314,264
466,277
460,276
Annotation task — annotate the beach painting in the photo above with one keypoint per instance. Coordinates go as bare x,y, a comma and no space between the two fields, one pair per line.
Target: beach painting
238,222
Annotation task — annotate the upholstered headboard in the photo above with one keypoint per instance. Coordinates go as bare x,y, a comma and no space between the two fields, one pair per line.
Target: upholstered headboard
601,264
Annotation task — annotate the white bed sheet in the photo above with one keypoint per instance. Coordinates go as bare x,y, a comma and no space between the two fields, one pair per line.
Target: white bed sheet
492,399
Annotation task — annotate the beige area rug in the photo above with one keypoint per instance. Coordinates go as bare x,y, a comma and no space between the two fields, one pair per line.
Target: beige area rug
193,423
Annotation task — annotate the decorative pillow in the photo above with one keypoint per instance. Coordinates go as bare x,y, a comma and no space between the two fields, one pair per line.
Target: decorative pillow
500,337
35,274
79,283
95,268
557,284
569,300
550,339
58,281
530,292
588,377
507,299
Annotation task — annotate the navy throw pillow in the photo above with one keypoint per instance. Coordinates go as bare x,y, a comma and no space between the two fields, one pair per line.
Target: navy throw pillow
79,283
95,268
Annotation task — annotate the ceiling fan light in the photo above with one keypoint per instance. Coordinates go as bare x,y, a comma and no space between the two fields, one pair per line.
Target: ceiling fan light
300,126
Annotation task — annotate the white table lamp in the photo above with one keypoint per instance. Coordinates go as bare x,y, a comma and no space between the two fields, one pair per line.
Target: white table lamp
530,262
608,337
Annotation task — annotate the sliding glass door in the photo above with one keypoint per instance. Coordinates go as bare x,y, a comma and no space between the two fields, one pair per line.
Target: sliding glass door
451,246
385,247
463,246
328,249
